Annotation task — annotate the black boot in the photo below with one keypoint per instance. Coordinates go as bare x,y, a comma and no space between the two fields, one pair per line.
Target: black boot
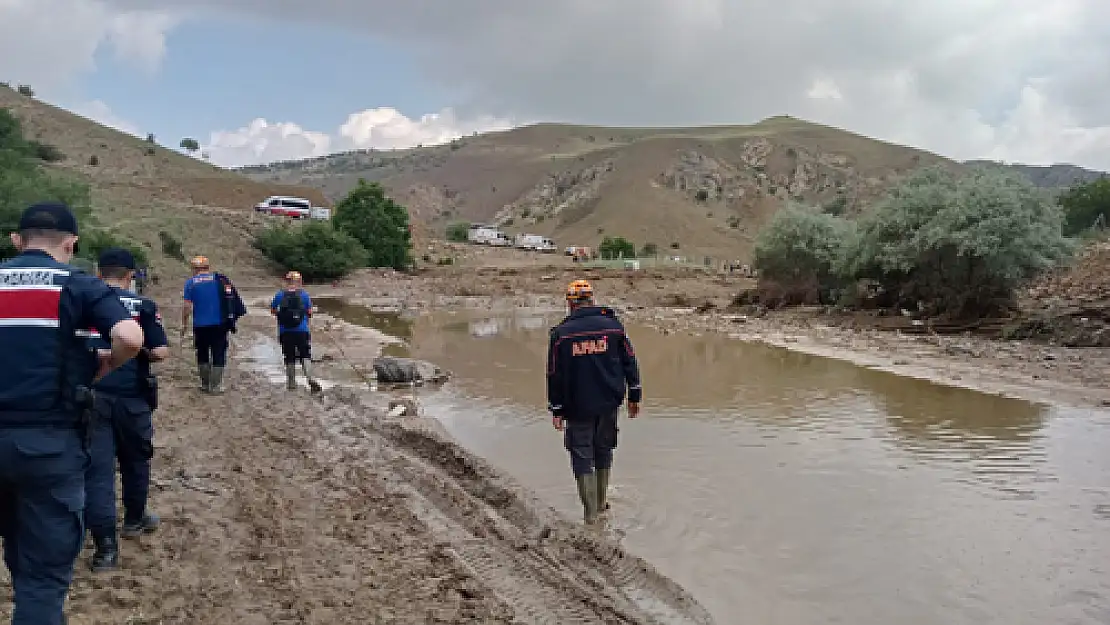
106,556
146,525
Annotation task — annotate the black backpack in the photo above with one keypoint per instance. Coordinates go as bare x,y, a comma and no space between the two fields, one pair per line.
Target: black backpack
291,311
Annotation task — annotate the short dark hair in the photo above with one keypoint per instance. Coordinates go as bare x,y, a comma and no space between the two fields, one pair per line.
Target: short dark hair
113,273
50,237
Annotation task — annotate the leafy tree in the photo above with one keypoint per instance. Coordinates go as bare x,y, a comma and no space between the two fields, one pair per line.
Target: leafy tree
1086,204
190,145
171,245
958,245
317,250
458,231
378,223
802,247
616,247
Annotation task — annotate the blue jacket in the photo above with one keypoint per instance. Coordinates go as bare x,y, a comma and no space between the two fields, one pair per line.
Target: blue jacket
127,380
45,306
590,362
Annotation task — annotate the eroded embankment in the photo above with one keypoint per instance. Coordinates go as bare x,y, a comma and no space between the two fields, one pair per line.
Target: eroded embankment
282,508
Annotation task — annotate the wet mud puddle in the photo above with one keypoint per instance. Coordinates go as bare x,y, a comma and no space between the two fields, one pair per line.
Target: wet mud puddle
786,489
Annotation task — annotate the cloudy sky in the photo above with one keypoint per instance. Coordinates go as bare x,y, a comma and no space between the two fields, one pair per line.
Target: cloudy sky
262,80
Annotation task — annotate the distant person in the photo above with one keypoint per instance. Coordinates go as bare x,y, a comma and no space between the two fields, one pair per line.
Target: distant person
140,280
215,306
590,363
125,401
45,404
293,307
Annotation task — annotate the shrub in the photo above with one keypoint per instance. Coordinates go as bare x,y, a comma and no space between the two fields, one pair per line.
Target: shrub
95,241
1086,204
317,250
23,181
616,247
802,252
958,245
649,249
46,152
171,246
702,195
458,231
378,223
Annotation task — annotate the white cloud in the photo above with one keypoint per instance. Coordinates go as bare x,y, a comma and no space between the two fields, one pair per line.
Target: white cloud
380,128
101,113
961,77
48,43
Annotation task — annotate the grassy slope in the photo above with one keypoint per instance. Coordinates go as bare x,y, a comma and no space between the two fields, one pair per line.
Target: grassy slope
209,209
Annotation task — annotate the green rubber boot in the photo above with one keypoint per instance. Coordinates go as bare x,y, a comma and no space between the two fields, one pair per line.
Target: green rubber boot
205,373
216,381
602,487
313,385
587,492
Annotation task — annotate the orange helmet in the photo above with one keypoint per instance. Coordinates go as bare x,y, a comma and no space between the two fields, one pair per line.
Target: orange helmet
579,290
199,262
293,276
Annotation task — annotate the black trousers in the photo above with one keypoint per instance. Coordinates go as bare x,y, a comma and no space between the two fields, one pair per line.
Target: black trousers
295,346
211,345
591,441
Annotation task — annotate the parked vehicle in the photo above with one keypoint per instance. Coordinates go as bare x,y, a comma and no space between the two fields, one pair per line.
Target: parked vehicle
535,243
482,234
295,207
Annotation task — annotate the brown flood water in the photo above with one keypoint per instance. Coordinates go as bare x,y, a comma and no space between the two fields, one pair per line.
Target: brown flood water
784,489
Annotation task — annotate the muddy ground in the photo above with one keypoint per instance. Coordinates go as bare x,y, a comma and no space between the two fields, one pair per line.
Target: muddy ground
287,508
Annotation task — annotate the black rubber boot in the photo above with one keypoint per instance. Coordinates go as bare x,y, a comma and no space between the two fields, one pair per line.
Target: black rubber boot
106,556
147,525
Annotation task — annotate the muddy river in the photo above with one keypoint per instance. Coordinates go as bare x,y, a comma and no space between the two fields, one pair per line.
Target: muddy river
786,489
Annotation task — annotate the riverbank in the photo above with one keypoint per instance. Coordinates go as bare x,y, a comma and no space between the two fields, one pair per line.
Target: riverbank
689,300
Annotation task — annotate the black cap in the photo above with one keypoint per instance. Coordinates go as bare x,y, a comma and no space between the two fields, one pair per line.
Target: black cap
48,216
116,257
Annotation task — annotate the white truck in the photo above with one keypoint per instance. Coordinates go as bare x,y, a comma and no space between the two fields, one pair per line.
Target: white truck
535,243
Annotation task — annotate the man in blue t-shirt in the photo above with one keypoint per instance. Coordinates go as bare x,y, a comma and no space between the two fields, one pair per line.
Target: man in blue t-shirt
214,305
292,306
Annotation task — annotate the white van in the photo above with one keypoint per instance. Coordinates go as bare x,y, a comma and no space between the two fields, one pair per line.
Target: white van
283,206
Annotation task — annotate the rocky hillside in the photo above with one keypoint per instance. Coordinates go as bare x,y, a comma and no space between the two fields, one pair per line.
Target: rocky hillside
142,190
698,191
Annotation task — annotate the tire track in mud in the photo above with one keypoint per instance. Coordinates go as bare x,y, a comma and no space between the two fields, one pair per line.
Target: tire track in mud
546,569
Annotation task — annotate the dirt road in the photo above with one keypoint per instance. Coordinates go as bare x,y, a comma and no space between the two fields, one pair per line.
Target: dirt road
282,508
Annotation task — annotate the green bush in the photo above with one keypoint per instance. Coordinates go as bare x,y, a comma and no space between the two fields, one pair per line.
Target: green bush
171,246
94,241
317,250
23,181
802,247
1085,205
378,223
458,231
616,247
958,245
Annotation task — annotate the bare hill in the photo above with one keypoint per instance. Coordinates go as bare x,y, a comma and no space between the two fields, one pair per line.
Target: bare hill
703,191
141,189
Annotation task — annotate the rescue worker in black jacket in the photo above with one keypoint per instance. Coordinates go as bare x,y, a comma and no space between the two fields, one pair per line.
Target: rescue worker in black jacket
590,364
45,400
